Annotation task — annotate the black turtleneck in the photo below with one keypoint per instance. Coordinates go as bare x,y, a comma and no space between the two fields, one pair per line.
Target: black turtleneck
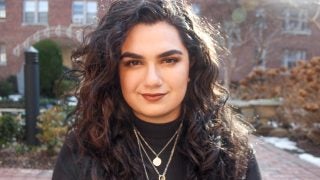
157,135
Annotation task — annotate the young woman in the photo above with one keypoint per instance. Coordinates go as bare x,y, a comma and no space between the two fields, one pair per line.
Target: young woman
149,104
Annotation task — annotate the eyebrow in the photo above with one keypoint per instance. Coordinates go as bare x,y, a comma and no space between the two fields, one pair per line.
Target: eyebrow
137,56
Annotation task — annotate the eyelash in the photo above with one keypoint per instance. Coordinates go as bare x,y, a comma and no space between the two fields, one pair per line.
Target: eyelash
170,60
132,63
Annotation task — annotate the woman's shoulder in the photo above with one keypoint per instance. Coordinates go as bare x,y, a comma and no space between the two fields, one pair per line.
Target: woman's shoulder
71,141
70,162
253,171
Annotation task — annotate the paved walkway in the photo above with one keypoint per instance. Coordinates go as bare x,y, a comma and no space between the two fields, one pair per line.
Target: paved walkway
24,174
275,164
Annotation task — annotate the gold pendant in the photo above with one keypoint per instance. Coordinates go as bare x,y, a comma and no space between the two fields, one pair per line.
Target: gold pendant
162,177
156,161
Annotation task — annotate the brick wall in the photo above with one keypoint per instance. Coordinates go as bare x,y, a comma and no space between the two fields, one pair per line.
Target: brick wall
219,11
14,32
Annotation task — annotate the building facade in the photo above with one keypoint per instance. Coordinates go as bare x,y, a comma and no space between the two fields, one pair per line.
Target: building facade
264,33
260,33
26,22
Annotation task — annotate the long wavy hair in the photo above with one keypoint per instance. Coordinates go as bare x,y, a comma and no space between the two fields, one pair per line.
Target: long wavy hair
214,141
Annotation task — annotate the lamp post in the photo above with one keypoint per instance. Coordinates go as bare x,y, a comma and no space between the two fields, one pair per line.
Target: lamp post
32,93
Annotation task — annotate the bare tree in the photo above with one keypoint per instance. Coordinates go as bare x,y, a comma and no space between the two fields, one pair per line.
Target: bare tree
234,38
264,33
232,17
316,17
259,25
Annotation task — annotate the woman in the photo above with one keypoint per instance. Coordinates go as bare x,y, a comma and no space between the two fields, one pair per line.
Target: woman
149,104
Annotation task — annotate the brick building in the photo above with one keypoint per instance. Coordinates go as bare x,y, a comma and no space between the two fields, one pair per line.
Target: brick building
264,33
26,22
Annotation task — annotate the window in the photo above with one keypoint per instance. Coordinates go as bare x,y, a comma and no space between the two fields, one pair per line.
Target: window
84,12
291,57
296,22
2,9
36,11
3,56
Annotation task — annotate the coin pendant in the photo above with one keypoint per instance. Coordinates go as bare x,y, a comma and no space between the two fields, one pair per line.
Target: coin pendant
156,161
162,177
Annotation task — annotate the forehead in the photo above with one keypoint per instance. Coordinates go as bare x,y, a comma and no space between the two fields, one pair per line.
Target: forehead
155,37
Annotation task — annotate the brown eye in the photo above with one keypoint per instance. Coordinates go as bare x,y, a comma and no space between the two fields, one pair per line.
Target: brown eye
131,63
170,60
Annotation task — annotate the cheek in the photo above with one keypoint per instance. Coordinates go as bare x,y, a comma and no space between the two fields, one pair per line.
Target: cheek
186,78
123,80
181,77
184,71
127,82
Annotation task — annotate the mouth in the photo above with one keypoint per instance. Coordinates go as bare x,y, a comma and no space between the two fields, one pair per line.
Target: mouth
152,97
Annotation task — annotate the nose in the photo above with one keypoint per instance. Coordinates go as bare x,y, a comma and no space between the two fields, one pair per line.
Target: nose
153,77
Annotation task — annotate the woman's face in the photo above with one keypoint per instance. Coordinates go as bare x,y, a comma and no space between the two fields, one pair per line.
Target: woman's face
154,72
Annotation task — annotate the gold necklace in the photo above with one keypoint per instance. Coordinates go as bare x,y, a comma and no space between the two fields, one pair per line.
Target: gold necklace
157,160
163,175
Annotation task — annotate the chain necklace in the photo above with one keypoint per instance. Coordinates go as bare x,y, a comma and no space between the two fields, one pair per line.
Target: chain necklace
157,160
163,175
141,156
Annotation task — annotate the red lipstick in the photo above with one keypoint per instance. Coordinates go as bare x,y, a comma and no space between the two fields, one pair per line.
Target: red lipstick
152,97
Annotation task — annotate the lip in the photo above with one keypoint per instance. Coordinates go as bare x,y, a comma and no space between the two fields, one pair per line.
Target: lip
153,97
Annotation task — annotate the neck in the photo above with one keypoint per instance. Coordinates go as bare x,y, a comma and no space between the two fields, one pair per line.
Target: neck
157,131
172,116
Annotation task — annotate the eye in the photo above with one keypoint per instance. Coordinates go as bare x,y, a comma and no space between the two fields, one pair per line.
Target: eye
170,60
131,63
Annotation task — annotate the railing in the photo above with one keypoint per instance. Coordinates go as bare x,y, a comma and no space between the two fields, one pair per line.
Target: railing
15,111
12,110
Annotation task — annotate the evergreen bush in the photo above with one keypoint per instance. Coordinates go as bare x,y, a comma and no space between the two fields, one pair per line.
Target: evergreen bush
8,86
64,87
51,66
11,130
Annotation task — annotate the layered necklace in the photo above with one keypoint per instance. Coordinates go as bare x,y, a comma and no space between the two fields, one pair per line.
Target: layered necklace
156,161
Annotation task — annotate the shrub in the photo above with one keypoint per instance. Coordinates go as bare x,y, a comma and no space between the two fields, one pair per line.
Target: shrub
11,130
300,89
13,80
262,84
51,67
64,87
8,86
53,125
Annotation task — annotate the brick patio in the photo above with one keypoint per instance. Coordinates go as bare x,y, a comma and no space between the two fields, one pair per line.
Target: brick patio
275,164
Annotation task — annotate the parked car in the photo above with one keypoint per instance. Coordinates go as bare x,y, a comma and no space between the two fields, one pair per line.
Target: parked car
71,101
15,97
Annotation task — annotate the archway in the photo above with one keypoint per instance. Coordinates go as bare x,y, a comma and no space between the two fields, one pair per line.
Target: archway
66,37
61,32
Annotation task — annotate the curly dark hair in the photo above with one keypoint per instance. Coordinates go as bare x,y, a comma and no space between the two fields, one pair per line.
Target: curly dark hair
214,141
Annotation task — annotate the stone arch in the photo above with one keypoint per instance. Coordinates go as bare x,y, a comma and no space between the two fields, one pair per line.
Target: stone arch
55,33
74,34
